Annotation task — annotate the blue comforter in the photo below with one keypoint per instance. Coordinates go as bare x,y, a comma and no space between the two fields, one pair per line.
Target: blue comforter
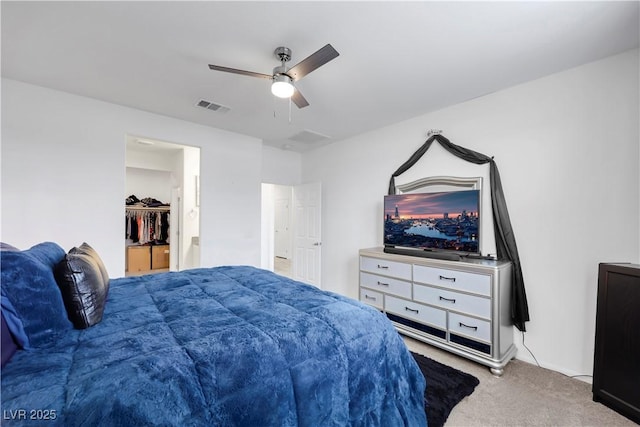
226,346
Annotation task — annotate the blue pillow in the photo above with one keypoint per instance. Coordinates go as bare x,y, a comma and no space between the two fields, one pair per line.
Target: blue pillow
31,301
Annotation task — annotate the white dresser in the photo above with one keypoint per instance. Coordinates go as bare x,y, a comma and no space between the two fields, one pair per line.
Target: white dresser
459,306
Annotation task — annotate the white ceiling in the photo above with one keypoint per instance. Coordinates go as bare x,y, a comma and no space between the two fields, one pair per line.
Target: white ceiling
397,60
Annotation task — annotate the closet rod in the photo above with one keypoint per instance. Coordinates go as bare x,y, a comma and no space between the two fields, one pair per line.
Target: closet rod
149,209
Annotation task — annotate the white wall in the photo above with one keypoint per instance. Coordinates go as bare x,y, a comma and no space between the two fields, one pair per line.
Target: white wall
158,160
567,147
149,183
63,175
267,222
281,166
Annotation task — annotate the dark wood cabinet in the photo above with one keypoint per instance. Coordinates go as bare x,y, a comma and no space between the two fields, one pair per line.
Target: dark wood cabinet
616,368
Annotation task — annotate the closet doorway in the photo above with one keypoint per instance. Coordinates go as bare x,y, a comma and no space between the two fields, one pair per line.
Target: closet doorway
162,206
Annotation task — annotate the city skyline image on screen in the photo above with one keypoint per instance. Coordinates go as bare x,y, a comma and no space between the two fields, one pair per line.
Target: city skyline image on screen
433,221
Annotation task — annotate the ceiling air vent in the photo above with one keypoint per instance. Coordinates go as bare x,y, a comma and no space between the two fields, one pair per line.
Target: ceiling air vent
213,106
308,136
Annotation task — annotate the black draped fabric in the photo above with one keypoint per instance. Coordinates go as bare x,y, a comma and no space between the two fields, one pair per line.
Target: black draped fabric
506,247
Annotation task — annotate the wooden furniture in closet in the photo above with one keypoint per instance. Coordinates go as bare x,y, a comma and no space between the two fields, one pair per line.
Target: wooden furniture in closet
147,258
138,259
159,256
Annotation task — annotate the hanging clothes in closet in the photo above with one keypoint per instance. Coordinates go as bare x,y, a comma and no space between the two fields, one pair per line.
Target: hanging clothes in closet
145,226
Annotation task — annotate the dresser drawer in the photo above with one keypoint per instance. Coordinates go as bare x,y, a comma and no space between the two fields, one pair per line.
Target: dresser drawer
373,298
386,284
476,305
461,307
418,312
388,268
469,282
470,327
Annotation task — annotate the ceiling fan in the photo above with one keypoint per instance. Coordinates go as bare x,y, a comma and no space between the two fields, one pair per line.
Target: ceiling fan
283,78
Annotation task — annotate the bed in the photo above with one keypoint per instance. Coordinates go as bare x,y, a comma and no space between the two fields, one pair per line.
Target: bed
224,346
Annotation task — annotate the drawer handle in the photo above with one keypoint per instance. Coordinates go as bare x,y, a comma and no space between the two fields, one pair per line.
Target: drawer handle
382,283
368,297
475,328
453,279
384,267
411,309
448,299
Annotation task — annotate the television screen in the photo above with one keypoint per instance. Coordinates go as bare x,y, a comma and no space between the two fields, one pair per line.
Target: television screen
433,221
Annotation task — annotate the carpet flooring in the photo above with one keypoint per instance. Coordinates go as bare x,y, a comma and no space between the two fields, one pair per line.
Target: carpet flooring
446,387
525,396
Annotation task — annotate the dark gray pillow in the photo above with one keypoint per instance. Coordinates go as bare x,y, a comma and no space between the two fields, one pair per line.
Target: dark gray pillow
7,247
85,249
83,288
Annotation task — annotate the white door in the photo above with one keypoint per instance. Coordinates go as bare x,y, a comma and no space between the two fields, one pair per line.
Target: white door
282,242
174,230
307,244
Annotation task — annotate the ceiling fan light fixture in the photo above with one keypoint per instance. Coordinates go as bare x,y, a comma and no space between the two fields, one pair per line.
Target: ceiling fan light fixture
282,77
282,86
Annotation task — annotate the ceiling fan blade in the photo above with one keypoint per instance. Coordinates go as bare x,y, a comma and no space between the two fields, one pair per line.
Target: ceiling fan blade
243,72
312,62
299,100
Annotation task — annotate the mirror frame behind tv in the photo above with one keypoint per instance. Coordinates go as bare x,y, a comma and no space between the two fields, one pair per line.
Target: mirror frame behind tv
441,184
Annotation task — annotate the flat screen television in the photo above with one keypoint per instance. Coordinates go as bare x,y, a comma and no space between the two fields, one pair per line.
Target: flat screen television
441,221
